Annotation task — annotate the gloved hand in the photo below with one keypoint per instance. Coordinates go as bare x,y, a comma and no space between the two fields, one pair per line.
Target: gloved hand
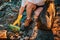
18,20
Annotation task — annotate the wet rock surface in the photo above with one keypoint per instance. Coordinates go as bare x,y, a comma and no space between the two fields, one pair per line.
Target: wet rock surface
56,25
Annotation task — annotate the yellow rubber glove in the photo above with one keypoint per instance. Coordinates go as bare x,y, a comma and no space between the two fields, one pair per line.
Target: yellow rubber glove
18,20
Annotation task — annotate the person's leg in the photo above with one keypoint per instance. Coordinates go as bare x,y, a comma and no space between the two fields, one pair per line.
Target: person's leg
37,13
37,23
30,7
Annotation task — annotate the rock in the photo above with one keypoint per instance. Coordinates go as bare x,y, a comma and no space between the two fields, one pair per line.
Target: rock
3,34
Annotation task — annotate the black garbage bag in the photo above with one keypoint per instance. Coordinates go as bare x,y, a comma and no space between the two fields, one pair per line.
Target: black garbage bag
42,17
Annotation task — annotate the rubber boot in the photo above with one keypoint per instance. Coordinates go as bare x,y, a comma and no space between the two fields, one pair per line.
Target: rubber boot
27,22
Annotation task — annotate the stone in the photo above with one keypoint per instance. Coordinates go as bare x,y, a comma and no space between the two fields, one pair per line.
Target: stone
3,34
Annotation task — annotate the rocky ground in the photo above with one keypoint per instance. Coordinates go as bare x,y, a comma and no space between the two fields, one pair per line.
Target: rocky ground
56,25
9,12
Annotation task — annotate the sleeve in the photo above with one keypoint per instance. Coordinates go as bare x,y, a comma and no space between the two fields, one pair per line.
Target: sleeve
23,3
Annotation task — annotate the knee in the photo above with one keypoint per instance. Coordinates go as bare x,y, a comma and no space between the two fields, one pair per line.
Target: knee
30,6
36,14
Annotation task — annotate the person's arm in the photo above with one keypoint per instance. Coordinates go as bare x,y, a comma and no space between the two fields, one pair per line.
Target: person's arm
21,10
19,16
23,4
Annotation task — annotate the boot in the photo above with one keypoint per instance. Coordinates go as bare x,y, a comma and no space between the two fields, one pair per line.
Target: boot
27,22
37,23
